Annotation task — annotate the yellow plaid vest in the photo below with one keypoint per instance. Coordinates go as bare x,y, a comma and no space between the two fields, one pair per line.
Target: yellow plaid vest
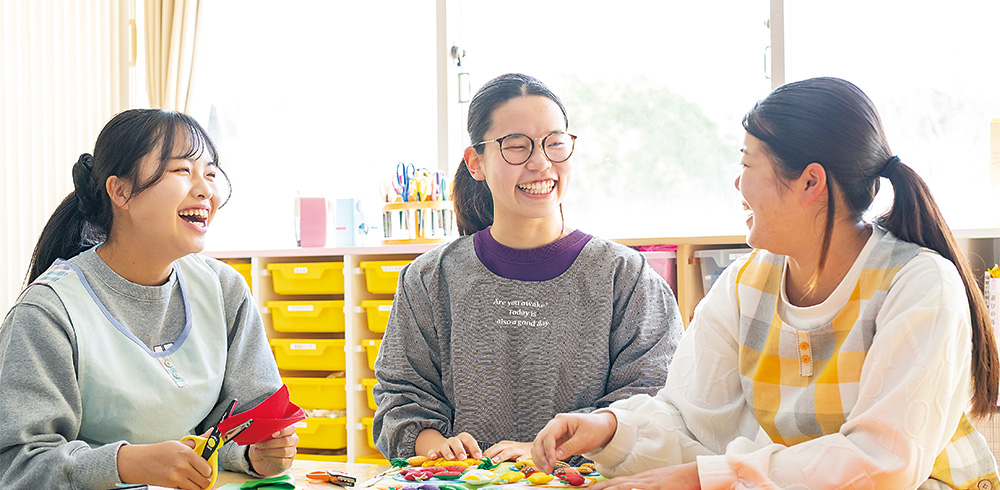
803,384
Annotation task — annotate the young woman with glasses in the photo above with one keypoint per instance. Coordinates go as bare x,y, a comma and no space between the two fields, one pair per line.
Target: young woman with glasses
521,318
840,353
126,339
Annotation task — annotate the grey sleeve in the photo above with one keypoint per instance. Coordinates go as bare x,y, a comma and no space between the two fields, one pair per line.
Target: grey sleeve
410,393
251,374
40,403
645,330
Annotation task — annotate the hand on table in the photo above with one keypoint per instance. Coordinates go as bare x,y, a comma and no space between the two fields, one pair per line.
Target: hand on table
569,434
170,464
508,451
461,446
680,477
276,454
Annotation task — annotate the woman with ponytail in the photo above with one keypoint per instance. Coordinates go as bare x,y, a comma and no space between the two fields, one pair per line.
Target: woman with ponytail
839,354
126,340
522,317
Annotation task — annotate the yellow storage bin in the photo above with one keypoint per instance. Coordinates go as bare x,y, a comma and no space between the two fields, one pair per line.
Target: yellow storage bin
307,316
332,458
376,458
381,276
322,433
317,393
372,346
308,277
309,354
369,384
244,269
368,422
378,313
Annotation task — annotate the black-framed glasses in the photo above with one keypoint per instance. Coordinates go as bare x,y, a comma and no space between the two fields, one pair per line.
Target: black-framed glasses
517,148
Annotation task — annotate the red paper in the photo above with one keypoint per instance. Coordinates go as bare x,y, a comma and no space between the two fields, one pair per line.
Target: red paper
269,416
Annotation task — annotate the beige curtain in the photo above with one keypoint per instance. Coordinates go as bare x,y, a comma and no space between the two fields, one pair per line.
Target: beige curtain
64,71
171,26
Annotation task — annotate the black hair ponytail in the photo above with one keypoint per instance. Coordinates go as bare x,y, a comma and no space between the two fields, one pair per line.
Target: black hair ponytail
915,217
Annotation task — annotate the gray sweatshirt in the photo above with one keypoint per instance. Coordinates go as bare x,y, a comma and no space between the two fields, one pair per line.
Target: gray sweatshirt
40,401
469,351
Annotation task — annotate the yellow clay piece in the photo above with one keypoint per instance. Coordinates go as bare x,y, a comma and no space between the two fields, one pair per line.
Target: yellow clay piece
524,462
417,460
539,478
512,476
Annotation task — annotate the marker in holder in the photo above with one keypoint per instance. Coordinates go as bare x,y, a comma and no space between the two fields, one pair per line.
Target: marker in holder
418,222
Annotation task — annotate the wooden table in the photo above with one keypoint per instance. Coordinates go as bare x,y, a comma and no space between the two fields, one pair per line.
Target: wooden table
300,467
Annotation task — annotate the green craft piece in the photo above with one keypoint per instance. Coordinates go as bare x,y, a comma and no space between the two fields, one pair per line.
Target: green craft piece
283,482
451,487
487,464
399,462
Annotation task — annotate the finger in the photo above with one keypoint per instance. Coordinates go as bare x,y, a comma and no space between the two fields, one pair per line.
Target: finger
189,443
287,431
457,448
445,451
471,445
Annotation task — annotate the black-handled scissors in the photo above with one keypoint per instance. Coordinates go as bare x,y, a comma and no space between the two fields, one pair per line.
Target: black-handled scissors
216,438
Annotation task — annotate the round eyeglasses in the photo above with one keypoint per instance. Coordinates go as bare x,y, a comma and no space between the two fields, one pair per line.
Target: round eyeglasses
517,148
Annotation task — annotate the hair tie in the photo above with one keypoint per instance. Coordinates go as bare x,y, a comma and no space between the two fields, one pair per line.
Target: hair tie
82,169
889,167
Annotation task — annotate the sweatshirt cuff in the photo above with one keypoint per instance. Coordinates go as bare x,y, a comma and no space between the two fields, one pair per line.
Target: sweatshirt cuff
233,457
97,467
622,442
714,472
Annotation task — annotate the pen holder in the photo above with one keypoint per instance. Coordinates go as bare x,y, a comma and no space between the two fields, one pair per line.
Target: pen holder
418,222
212,460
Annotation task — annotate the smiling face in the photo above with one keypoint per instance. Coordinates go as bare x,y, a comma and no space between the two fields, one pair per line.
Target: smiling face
770,205
533,190
172,216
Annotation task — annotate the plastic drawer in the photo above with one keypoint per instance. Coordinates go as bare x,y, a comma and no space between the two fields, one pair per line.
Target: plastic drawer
244,269
307,316
368,422
665,264
322,433
372,346
713,262
309,354
308,277
317,393
381,276
378,313
369,384
376,458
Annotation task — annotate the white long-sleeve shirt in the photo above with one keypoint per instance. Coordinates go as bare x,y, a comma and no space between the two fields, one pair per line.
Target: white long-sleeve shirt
904,409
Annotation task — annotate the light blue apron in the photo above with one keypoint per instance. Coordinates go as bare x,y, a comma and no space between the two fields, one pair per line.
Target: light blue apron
130,392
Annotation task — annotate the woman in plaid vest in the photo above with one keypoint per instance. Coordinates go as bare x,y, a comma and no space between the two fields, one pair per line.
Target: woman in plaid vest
840,353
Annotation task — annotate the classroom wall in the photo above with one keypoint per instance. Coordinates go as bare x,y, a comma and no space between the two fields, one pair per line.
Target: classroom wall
63,74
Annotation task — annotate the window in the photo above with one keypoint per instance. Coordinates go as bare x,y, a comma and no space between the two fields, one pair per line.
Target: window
931,75
314,98
655,90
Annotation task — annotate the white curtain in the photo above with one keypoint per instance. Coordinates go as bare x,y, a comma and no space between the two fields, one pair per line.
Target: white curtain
171,27
64,72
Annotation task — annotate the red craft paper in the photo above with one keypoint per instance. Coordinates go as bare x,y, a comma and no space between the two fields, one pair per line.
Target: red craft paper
269,416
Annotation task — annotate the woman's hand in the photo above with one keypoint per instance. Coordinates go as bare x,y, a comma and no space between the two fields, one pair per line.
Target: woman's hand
571,433
508,451
276,454
171,464
434,445
680,477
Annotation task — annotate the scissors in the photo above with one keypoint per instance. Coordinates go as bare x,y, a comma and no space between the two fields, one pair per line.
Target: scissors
442,185
334,477
404,177
424,185
216,438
